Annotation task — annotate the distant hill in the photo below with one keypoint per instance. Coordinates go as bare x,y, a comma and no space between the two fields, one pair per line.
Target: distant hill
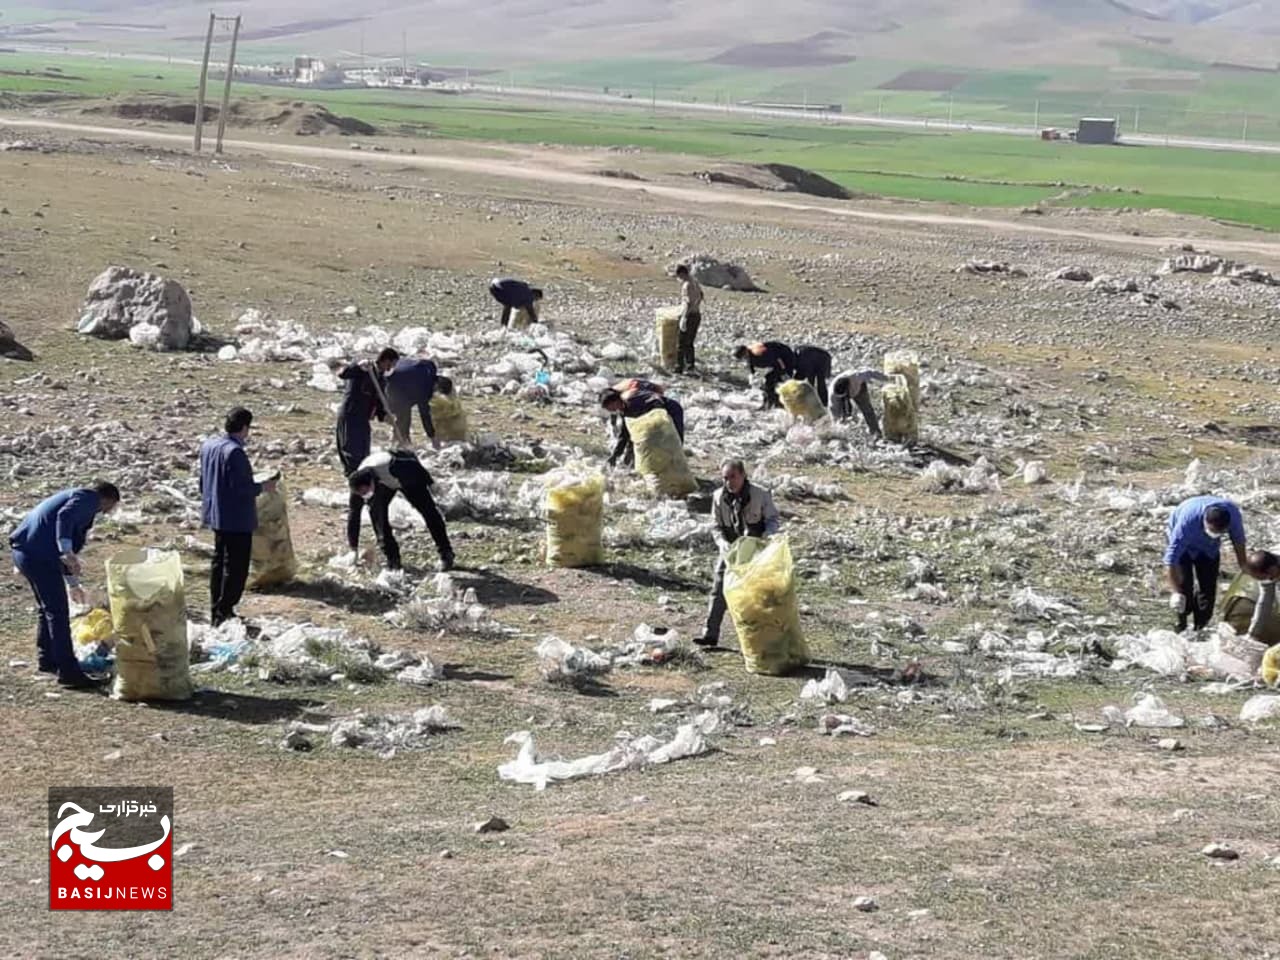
762,33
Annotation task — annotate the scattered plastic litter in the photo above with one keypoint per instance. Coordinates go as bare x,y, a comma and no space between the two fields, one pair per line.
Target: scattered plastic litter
841,724
384,735
1150,711
1026,604
1260,708
830,689
562,662
690,740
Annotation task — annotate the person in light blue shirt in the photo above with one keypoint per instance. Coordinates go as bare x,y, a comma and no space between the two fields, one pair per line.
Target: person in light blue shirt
1193,558
46,550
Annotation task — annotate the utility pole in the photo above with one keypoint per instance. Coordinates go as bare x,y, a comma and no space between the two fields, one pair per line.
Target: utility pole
1244,134
226,89
204,81
404,55
1036,122
1137,112
653,102
951,109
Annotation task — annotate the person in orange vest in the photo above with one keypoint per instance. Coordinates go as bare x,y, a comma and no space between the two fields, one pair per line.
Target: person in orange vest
777,361
634,398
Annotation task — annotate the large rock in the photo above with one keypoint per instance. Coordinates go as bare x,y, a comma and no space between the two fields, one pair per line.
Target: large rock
148,309
10,347
710,272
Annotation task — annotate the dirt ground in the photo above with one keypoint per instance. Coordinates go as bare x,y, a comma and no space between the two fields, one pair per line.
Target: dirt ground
1002,829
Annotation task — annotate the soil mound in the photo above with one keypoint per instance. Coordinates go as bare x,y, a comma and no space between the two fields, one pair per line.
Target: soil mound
296,117
779,177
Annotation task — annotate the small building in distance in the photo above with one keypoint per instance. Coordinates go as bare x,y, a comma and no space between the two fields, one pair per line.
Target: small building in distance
1097,130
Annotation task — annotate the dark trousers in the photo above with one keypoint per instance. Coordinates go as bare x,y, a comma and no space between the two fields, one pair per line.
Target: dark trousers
771,381
1200,587
54,650
717,607
688,335
354,440
842,408
231,554
419,497
820,384
814,366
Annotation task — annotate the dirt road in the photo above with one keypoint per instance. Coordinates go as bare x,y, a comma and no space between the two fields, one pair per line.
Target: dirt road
531,170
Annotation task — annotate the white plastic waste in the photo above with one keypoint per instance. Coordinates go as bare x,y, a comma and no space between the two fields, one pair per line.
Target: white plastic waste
1150,711
562,662
841,725
830,689
1261,708
690,740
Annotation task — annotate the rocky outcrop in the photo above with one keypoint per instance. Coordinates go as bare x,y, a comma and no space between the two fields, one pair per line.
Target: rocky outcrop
149,310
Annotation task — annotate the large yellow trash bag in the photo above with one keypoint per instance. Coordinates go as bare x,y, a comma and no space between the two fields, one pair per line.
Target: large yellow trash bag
901,425
1271,666
660,454
760,590
449,418
575,519
801,400
522,319
274,562
94,627
666,322
1238,606
148,609
905,363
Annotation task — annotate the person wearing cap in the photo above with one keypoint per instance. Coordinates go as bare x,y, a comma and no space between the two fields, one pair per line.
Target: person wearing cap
515,295
852,387
776,359
1264,566
412,382
228,494
380,477
634,398
1192,559
739,509
46,551
362,402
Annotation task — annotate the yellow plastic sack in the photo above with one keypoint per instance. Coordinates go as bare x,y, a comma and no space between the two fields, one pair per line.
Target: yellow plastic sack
1237,609
1271,666
149,613
575,520
93,627
274,562
901,424
449,418
905,363
522,319
801,400
760,590
667,330
660,454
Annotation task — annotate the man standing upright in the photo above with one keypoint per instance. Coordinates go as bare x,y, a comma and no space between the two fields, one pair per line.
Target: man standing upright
691,297
362,401
738,510
228,493
1193,558
515,295
46,550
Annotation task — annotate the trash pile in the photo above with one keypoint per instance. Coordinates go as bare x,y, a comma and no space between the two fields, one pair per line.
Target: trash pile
563,662
439,604
376,733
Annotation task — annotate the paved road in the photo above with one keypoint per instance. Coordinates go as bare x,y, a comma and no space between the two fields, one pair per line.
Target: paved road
861,120
531,168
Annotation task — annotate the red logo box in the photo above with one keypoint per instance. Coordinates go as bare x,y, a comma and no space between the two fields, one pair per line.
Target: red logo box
110,848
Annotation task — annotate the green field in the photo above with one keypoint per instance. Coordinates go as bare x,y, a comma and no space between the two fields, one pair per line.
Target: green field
957,167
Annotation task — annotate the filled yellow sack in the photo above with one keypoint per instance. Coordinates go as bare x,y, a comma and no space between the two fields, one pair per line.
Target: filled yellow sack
94,627
901,425
667,330
575,520
1237,609
1271,666
905,363
660,454
522,319
760,590
149,613
801,400
274,562
449,418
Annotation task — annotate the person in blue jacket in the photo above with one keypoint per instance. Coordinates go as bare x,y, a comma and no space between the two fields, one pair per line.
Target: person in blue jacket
412,383
46,550
515,295
1193,558
228,495
362,402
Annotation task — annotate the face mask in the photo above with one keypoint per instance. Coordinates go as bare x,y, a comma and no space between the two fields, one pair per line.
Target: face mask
1213,534
366,497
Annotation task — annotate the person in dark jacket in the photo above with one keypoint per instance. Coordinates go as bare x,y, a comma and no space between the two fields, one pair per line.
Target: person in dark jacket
362,402
412,383
813,365
381,476
634,398
776,360
46,550
738,509
228,495
515,295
